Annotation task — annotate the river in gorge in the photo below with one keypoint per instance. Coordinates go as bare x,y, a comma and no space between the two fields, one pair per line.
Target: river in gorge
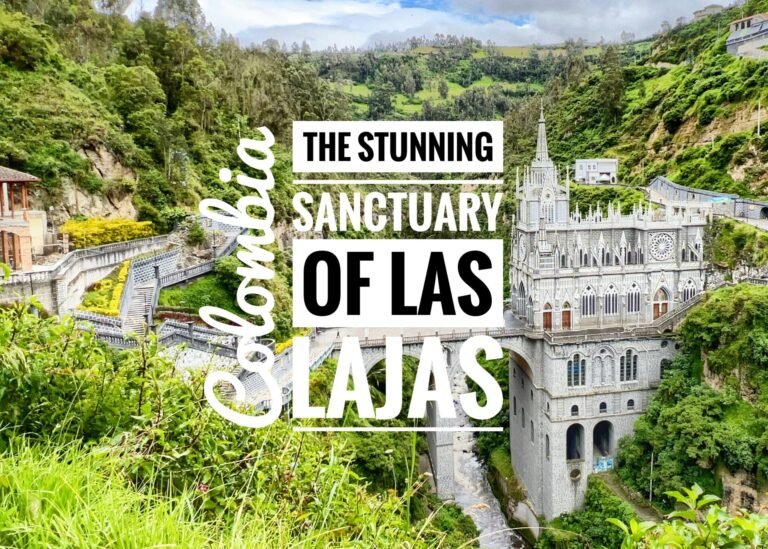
472,492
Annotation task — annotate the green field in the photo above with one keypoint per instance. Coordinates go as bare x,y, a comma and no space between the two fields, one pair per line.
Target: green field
404,105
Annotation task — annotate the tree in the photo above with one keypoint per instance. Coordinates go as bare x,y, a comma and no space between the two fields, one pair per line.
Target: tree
113,7
612,85
380,101
442,88
409,85
181,12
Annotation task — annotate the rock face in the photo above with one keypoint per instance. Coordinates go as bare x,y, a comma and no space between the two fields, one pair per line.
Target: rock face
105,165
75,201
112,202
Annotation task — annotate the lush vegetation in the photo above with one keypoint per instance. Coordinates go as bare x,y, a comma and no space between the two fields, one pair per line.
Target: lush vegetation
698,523
710,410
109,448
588,526
97,231
683,108
587,197
164,97
732,244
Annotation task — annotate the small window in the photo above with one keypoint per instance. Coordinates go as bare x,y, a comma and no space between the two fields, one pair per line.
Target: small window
547,407
664,367
603,407
532,431
546,446
630,404
531,394
522,419
514,405
574,410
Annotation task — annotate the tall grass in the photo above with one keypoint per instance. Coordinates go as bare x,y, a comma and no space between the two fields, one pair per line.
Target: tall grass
65,496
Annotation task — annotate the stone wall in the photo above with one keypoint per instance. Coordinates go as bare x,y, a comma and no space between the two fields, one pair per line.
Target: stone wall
541,404
60,287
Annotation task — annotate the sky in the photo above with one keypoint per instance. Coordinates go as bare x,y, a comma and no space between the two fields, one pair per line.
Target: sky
361,23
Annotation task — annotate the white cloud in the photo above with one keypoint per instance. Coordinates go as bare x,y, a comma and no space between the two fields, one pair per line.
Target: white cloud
323,23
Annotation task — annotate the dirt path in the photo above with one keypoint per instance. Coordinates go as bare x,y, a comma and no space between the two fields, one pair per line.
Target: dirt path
643,510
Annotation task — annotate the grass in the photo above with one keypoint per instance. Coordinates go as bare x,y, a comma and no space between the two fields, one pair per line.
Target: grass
413,105
502,462
204,291
66,497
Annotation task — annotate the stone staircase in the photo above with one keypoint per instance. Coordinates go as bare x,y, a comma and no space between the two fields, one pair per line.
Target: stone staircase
141,303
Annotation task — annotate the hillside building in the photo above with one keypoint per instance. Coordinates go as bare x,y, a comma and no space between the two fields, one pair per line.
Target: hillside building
749,36
597,170
706,11
22,231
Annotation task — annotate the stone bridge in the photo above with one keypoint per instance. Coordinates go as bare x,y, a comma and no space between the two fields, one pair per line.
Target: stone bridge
524,346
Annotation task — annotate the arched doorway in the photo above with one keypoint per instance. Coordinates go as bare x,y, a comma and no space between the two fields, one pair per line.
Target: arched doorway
566,316
602,439
547,316
574,437
764,213
660,303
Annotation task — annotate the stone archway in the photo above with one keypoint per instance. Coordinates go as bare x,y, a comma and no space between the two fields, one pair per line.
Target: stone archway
764,213
574,442
602,439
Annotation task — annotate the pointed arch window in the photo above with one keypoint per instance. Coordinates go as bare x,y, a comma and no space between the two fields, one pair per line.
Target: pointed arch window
689,290
577,371
548,210
588,302
611,301
633,299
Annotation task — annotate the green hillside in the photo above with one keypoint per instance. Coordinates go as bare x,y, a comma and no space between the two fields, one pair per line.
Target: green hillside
686,109
162,105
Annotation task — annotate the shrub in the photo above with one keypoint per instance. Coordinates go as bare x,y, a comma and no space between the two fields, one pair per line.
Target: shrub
97,231
23,44
196,235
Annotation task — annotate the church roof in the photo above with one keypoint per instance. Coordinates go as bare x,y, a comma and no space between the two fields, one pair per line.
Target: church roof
8,175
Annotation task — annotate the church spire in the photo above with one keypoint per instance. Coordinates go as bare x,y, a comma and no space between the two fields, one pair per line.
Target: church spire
542,151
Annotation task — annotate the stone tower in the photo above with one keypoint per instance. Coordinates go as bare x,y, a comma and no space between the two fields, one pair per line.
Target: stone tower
596,284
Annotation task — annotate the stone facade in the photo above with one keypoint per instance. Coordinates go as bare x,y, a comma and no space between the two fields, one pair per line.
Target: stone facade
566,420
589,281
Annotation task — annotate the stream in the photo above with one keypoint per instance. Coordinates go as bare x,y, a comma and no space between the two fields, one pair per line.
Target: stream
472,491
